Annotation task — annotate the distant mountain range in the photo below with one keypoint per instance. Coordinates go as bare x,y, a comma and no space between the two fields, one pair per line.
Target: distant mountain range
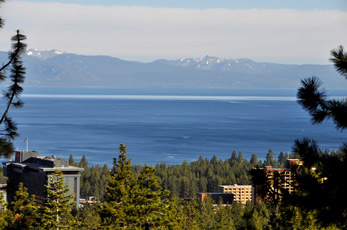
56,68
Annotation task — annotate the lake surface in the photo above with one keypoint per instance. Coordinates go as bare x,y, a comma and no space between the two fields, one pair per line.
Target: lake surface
170,125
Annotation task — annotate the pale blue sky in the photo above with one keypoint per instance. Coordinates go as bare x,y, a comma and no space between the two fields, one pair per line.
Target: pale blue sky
292,31
227,4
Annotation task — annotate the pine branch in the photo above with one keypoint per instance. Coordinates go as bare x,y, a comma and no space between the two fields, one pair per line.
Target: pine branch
18,72
339,58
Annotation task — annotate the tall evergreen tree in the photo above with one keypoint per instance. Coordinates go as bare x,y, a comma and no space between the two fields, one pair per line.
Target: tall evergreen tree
56,211
22,210
207,214
12,94
151,202
89,217
119,198
254,159
281,158
71,160
269,160
323,189
233,157
240,157
83,162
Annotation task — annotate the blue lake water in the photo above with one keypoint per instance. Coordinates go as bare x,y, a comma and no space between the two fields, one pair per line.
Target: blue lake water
170,125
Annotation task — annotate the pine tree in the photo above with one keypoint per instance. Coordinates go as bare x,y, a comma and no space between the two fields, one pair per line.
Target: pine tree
119,198
323,189
233,159
281,159
207,214
56,211
150,209
240,157
315,101
22,210
89,216
12,94
269,161
83,163
254,159
71,160
223,218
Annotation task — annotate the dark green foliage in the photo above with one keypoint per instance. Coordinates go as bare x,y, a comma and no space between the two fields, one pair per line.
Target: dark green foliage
184,180
56,211
339,58
3,212
322,178
136,203
207,214
88,217
293,217
71,160
315,101
15,67
254,159
323,188
2,178
94,181
150,202
22,212
83,162
269,160
233,157
12,94
204,175
281,159
118,197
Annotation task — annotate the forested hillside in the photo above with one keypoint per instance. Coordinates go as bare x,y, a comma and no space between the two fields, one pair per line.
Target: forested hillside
187,179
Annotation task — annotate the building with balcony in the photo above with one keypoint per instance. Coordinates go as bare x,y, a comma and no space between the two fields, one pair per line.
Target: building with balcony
277,181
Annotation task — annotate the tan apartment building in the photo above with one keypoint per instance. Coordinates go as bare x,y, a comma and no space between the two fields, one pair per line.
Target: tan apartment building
279,180
242,193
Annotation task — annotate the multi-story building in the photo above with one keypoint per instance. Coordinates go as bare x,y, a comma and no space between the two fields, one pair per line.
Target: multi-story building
278,181
34,171
242,193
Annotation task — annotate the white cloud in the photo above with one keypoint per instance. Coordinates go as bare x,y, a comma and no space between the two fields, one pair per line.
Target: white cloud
147,33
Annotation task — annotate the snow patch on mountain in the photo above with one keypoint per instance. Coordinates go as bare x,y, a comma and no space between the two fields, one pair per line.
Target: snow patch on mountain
44,54
242,65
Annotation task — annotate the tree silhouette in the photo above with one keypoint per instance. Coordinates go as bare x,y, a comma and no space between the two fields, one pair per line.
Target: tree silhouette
322,181
315,101
14,66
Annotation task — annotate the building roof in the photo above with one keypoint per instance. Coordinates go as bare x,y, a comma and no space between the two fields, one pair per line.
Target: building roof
45,168
235,185
31,160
